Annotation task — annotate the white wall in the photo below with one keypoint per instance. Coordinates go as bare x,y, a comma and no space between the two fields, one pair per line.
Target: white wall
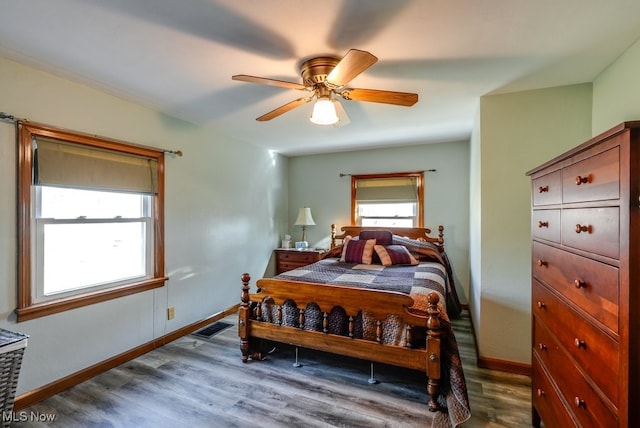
518,131
315,182
225,210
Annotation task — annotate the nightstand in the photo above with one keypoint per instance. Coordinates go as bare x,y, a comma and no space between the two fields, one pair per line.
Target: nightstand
289,258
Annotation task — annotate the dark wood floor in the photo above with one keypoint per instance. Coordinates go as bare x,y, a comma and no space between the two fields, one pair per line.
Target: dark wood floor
497,399
202,383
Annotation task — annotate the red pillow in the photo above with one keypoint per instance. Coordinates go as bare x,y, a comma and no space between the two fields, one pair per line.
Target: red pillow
382,237
395,255
357,251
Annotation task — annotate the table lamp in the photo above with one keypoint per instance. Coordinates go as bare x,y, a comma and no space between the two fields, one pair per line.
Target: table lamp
304,219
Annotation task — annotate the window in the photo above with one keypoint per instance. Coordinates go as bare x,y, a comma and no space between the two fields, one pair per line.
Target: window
387,200
90,220
89,240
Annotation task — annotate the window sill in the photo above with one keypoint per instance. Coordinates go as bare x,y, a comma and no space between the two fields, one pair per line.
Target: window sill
38,310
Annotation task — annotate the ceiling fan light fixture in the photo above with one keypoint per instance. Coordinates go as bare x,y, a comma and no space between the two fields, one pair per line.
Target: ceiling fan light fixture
324,112
326,77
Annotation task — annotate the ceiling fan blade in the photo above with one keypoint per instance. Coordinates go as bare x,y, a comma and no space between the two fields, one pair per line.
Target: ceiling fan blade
283,109
376,96
352,64
271,82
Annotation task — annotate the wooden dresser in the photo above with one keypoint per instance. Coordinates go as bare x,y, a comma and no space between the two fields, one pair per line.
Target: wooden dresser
287,258
585,224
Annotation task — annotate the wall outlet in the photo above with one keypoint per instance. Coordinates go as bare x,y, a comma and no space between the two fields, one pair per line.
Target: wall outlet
171,313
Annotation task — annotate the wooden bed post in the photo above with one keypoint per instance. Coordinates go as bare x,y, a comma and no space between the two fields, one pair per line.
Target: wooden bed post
333,235
243,317
433,351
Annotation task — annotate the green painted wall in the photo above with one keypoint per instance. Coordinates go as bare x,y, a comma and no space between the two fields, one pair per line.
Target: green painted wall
479,193
517,132
475,223
616,92
225,208
315,182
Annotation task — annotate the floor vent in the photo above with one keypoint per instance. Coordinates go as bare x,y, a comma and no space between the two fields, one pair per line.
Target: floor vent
212,330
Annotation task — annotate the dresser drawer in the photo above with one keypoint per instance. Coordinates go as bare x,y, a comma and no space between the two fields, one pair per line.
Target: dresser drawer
583,401
299,257
546,400
285,266
596,352
289,259
596,230
590,285
593,179
545,224
547,190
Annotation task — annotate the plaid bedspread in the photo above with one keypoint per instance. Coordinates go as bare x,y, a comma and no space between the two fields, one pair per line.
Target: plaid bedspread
417,281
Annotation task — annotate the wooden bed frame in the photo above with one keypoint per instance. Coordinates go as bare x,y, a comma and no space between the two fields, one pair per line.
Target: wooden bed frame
378,303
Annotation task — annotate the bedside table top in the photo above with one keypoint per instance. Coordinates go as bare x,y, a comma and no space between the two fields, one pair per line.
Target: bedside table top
303,250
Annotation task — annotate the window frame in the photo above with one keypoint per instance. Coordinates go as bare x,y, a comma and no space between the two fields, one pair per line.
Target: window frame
27,308
418,175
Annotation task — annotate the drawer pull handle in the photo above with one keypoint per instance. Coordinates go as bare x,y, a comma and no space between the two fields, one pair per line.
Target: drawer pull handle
542,347
543,224
540,392
583,228
582,180
542,263
580,283
541,305
543,189
580,402
580,343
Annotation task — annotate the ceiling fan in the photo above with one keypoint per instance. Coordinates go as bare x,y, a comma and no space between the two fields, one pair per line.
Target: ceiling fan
325,78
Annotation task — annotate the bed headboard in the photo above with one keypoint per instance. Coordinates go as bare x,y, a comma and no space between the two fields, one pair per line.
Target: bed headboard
409,232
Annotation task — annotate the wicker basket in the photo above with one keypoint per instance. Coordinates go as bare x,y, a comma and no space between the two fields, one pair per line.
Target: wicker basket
12,346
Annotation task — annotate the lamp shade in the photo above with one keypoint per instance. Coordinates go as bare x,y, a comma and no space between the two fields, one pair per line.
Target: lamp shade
304,217
324,112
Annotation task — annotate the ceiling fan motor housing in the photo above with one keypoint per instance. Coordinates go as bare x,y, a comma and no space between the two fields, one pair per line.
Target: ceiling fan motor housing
314,71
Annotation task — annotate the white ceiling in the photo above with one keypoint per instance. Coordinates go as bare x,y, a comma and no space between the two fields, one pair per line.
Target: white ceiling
178,56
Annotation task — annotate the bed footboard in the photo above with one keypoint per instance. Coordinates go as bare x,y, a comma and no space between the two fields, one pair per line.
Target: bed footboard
379,304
